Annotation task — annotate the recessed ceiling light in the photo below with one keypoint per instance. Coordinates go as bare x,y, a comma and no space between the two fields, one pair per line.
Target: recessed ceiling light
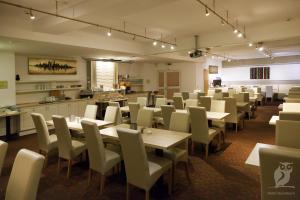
260,48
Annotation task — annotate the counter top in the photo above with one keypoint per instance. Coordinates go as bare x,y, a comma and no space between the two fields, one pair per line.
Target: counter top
32,104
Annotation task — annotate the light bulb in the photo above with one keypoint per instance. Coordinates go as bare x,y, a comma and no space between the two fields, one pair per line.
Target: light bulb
240,35
250,44
154,43
260,48
172,47
206,12
235,31
109,34
163,46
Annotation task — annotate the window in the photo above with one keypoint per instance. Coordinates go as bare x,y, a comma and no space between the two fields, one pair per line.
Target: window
105,74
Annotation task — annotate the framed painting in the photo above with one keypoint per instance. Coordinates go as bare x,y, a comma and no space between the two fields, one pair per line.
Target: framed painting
51,66
213,69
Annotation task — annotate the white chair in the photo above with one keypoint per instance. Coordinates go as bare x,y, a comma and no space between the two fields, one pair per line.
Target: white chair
218,96
145,118
3,150
25,176
68,149
90,111
287,133
111,114
46,142
166,114
120,119
142,101
200,131
185,95
141,171
234,117
193,95
218,106
205,102
269,92
178,102
179,122
279,168
191,102
177,94
160,102
101,160
211,92
291,107
133,109
231,92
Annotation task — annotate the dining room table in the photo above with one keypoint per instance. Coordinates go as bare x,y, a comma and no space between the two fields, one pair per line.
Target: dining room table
253,159
75,124
160,139
125,109
273,120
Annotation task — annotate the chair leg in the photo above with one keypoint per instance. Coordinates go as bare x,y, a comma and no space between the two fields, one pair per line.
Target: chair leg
102,183
192,148
127,191
171,181
58,165
89,176
46,160
206,151
69,168
236,127
147,195
187,172
173,174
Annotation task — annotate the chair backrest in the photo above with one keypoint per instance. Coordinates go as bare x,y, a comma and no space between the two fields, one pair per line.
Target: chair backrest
3,150
160,101
166,112
145,118
218,96
179,122
177,94
63,136
199,123
231,92
230,107
279,172
191,102
291,107
133,109
119,117
95,146
251,92
269,91
239,97
41,130
193,95
178,102
292,116
135,157
185,95
142,101
90,111
225,94
246,97
25,176
288,133
217,106
205,102
111,114
210,92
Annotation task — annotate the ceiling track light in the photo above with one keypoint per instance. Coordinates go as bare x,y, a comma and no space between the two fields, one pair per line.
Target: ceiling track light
250,44
154,43
31,15
163,46
109,33
222,23
172,47
235,31
206,12
240,35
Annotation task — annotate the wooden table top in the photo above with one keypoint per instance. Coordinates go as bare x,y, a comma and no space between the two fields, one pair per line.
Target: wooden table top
126,109
76,125
9,113
253,158
210,115
158,138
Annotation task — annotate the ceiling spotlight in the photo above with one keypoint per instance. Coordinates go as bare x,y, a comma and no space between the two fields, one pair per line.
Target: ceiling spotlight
250,44
109,33
222,23
172,47
235,31
205,55
229,60
31,16
260,48
154,43
213,57
240,35
206,12
189,52
163,46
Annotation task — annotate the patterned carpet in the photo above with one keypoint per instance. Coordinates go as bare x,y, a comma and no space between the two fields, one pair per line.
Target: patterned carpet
223,176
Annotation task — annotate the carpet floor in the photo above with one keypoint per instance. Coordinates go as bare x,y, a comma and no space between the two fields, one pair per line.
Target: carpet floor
222,176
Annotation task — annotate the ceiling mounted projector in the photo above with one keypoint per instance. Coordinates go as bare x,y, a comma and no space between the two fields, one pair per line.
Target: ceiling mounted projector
196,53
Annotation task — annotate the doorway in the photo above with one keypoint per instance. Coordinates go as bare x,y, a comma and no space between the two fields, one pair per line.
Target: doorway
168,83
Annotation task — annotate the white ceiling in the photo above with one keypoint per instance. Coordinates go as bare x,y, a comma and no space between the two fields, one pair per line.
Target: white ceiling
173,18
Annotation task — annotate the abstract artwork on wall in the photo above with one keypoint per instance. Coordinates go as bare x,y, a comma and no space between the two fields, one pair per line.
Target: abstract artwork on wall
260,73
51,66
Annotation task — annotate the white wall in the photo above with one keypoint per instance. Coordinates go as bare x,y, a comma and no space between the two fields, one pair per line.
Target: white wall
191,74
21,66
7,73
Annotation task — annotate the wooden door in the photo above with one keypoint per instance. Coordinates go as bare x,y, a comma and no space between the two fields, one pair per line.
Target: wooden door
206,80
161,83
168,83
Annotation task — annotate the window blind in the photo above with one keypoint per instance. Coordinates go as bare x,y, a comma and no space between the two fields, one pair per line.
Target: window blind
105,74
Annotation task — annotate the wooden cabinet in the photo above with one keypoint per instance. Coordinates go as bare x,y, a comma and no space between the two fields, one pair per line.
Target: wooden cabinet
51,110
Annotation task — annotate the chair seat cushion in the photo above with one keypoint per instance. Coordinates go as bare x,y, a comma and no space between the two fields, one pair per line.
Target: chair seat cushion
111,159
156,163
176,154
218,123
211,134
78,147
